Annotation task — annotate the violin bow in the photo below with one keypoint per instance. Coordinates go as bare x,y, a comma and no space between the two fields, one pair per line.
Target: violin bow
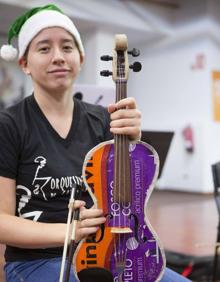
74,216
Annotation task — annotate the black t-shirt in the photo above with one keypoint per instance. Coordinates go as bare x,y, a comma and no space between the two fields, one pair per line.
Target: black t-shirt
44,164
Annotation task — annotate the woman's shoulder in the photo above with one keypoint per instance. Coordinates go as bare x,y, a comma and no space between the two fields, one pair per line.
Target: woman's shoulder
14,113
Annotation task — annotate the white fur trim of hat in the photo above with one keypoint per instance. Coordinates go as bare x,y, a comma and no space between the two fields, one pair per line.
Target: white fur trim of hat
42,20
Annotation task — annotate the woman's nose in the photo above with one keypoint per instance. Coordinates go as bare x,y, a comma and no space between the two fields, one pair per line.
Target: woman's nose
58,56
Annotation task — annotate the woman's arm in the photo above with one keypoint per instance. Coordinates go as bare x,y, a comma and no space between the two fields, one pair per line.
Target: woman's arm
24,233
20,232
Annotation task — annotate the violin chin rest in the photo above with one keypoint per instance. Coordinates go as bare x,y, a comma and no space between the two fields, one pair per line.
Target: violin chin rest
95,274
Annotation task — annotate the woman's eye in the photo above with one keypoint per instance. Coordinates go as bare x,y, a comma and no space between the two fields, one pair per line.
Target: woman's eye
44,49
68,48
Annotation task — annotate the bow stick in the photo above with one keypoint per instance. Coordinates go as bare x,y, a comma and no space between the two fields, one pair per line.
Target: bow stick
72,214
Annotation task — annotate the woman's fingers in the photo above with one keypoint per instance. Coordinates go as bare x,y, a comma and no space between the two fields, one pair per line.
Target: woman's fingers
127,103
78,204
125,118
90,213
89,222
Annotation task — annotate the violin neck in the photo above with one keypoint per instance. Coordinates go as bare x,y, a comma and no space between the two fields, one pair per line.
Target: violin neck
121,89
122,185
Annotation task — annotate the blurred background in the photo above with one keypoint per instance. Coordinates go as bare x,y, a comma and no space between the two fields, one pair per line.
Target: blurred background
178,93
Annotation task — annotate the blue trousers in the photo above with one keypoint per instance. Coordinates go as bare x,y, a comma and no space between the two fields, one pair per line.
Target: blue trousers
42,270
48,270
171,276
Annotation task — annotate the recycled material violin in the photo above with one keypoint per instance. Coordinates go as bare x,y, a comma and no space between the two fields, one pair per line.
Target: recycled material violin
120,176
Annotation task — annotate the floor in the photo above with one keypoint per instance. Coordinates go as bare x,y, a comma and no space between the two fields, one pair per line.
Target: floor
186,223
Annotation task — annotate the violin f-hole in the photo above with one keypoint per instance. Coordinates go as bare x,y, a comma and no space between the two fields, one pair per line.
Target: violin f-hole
136,224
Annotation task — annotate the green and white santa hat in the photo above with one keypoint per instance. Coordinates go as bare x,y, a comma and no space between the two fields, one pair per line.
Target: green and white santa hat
27,26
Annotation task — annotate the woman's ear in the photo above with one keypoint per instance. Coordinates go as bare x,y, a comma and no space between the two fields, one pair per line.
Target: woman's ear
24,65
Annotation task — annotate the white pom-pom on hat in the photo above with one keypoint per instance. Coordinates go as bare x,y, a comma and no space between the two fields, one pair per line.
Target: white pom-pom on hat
8,52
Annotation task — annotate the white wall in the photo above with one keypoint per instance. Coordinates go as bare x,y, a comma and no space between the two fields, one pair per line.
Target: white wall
171,94
97,43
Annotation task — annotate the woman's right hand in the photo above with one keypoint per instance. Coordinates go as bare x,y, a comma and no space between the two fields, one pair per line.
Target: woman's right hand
89,220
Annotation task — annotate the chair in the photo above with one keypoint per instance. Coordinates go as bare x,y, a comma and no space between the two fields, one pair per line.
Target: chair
216,181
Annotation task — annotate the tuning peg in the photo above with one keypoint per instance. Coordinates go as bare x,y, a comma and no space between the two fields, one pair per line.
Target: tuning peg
134,52
106,73
136,67
106,58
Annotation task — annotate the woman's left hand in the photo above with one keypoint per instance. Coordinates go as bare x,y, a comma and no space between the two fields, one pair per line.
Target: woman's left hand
125,118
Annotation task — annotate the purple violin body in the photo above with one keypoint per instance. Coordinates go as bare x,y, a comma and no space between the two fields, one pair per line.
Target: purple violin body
139,252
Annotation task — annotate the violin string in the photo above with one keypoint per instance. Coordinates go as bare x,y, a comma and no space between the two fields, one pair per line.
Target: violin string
115,178
125,173
122,167
115,186
120,164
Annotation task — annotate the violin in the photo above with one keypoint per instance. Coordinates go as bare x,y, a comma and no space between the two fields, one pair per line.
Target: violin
120,176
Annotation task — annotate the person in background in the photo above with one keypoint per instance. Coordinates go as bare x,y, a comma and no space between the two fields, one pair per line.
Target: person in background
43,143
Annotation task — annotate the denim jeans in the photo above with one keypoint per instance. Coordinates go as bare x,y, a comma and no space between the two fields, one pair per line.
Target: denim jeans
171,276
42,270
48,270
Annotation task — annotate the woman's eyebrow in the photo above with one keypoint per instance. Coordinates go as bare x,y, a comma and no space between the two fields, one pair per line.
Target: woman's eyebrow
69,40
44,41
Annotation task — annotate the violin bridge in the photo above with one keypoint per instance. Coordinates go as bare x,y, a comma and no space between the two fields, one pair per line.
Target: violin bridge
121,230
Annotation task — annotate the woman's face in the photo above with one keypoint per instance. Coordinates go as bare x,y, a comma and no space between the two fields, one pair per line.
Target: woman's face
53,60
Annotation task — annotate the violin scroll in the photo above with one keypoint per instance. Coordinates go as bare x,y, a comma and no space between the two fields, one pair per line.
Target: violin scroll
120,64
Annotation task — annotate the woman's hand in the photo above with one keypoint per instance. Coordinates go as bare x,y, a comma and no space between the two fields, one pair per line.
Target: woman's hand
125,118
89,220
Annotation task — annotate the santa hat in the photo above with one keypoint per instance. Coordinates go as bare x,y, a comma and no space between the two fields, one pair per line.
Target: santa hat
27,26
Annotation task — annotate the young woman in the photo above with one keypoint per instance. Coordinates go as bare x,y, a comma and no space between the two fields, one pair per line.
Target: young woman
43,142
